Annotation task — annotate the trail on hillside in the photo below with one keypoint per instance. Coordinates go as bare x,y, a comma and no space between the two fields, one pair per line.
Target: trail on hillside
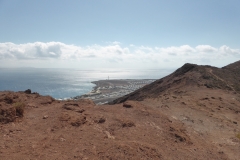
210,71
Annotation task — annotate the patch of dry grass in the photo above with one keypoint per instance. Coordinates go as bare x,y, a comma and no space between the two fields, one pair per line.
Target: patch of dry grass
238,135
19,106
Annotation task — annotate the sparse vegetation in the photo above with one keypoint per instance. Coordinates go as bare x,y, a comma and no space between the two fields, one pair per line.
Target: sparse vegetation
238,135
19,106
127,123
8,99
199,104
1,118
206,75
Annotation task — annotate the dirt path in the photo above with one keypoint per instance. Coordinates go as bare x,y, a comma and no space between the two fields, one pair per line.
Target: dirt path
210,71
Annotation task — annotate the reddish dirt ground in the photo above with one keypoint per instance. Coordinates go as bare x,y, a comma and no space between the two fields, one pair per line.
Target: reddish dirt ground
181,117
168,127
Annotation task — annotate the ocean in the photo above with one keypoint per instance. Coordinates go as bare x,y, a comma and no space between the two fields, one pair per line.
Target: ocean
67,83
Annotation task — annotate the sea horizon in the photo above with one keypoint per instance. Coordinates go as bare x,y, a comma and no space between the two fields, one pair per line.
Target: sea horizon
65,83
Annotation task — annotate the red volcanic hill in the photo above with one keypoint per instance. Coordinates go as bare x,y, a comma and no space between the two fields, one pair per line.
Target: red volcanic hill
233,66
193,113
190,76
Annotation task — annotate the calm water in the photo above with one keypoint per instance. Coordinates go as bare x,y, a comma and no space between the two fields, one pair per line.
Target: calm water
66,83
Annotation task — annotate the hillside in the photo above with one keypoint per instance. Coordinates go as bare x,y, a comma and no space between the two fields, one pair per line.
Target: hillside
193,113
190,75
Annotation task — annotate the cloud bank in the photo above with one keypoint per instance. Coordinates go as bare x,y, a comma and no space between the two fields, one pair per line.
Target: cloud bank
57,54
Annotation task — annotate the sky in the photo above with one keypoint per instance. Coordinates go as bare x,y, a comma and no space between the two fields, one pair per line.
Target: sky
135,34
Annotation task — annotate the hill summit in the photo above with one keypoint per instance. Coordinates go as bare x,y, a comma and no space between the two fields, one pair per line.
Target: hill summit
190,76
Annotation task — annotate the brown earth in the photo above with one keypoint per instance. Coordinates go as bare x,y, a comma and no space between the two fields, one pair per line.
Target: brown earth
191,114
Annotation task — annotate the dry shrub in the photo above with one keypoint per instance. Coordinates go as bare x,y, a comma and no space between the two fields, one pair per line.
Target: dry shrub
238,135
128,123
19,106
7,114
8,99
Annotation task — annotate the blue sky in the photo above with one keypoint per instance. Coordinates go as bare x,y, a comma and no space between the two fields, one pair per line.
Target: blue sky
118,34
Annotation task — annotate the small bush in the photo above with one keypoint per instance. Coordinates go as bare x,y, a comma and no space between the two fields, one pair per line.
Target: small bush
19,106
128,124
206,76
238,135
8,99
7,114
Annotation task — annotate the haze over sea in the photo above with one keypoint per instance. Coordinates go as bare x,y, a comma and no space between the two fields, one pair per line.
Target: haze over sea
66,83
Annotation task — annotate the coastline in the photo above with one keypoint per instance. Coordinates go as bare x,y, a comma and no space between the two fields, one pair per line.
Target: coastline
107,90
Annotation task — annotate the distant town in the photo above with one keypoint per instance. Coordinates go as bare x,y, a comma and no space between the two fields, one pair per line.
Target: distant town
108,90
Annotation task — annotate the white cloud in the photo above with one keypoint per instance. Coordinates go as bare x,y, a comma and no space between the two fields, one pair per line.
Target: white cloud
225,50
206,48
31,50
57,54
182,50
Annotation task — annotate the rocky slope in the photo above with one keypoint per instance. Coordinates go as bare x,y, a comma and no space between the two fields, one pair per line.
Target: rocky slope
191,114
190,75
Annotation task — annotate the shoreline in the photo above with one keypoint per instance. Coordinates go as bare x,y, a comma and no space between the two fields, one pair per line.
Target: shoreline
108,90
